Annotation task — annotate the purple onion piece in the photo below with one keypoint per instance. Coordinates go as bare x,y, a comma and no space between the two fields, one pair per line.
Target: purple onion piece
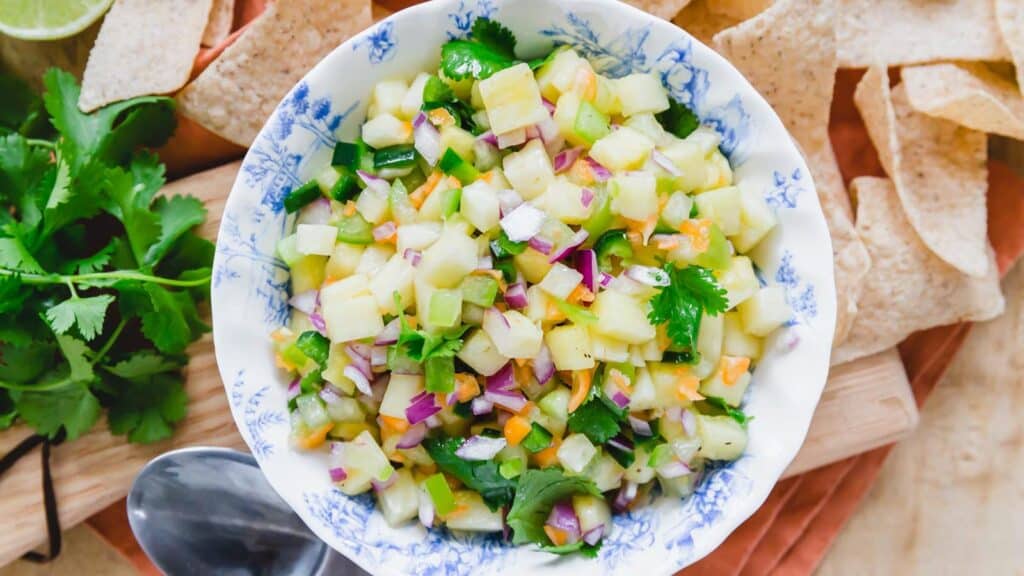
389,335
423,406
593,536
361,381
304,302
318,322
481,406
563,517
601,173
293,389
641,427
379,486
543,365
502,380
574,242
413,436
587,197
541,244
412,256
586,263
515,296
338,474
564,159
384,231
512,401
665,163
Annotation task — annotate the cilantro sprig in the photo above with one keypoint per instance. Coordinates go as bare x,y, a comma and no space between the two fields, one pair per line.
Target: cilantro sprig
99,276
680,305
489,49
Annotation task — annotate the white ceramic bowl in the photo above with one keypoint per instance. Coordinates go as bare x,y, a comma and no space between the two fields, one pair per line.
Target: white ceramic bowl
250,287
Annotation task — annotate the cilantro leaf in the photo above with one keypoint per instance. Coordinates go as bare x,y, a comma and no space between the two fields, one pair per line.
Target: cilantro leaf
598,418
177,216
92,263
131,205
87,313
22,167
72,407
420,345
24,357
20,107
482,476
75,195
437,94
15,256
536,494
461,59
678,120
8,412
169,319
144,363
76,353
587,550
12,296
492,34
145,406
679,305
736,414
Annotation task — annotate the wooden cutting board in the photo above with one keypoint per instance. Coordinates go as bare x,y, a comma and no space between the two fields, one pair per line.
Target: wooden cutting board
866,404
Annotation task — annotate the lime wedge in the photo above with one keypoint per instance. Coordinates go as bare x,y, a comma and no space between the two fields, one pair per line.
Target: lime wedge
49,19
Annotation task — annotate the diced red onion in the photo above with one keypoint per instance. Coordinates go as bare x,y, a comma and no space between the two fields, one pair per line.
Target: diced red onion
600,172
488,137
626,495
606,279
574,242
360,360
426,512
316,212
485,263
318,322
548,131
619,398
412,437
412,256
389,335
648,275
423,406
641,427
510,139
375,183
532,132
665,163
337,448
329,395
294,389
419,119
379,356
689,422
515,296
508,200
338,474
433,422
426,140
543,365
522,223
587,197
540,244
361,381
481,406
358,349
673,469
384,231
549,106
379,486
593,536
563,517
621,442
564,159
586,263
304,302
480,448
513,401
502,380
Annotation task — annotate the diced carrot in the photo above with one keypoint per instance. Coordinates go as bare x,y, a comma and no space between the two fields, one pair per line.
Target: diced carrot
488,176
350,208
580,172
396,457
580,294
282,363
620,380
667,242
552,313
732,367
686,386
440,117
457,511
419,195
466,387
699,233
315,438
527,408
428,469
281,334
557,536
516,428
393,423
549,456
581,380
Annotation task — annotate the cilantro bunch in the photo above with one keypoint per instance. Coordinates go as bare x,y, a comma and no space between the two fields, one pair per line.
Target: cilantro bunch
99,277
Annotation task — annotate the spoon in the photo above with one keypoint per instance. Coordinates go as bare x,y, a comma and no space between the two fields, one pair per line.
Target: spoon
210,511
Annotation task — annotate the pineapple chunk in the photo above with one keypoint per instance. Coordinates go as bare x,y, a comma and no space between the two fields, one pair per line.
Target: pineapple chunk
608,349
355,285
532,264
565,117
641,93
709,344
374,256
736,342
474,515
570,347
401,389
513,334
722,438
593,512
560,281
731,393
480,206
396,275
622,317
558,76
722,207
364,461
351,319
479,353
606,474
424,293
691,161
739,280
307,273
667,381
344,260
649,126
337,361
540,308
418,236
373,206
315,239
399,502
606,100
387,130
564,201
765,311
413,100
512,99
635,195
460,141
706,140
756,219
388,96
449,259
622,149
529,170
575,452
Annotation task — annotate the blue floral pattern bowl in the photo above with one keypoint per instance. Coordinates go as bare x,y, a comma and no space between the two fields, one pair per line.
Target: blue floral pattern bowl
250,286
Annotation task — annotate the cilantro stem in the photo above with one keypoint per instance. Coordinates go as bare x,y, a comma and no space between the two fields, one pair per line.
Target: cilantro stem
41,143
110,341
56,384
46,279
71,287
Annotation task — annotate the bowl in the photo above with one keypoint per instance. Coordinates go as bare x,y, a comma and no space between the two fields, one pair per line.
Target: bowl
250,285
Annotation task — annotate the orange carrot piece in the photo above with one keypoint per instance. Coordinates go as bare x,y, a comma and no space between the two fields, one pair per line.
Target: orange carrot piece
350,208
466,387
420,194
581,380
732,367
393,423
699,233
549,456
557,536
516,429
315,438
686,386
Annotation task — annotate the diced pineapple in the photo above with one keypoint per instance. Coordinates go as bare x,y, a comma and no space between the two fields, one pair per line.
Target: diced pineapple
736,342
709,344
432,209
540,308
512,99
677,210
479,204
756,217
315,239
462,88
559,75
560,281
449,259
387,130
373,258
669,382
705,138
400,391
364,462
307,273
344,260
460,141
565,118
350,287
622,149
556,402
388,96
337,361
731,393
529,170
690,159
532,264
622,317
575,452
739,280
649,351
418,236
570,347
396,275
641,93
472,514
592,512
424,292
513,334
608,349
640,471
765,311
606,473
373,206
649,126
635,195
606,100
413,100
564,201
480,354
722,438
721,206
400,502
719,171
351,319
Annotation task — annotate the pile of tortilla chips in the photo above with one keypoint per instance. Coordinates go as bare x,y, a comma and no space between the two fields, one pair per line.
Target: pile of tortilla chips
911,250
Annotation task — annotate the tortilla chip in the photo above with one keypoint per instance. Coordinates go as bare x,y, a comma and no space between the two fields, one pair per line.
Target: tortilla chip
236,94
698,20
909,288
222,14
144,47
938,169
969,94
738,9
917,31
1010,18
664,9
788,52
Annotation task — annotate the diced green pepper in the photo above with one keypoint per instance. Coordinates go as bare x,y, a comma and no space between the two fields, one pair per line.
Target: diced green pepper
397,156
440,373
576,314
510,469
591,124
684,357
349,155
301,196
314,345
479,290
661,454
717,256
503,247
507,268
453,164
354,230
312,381
538,439
293,355
440,494
345,188
612,243
445,308
601,218
450,202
